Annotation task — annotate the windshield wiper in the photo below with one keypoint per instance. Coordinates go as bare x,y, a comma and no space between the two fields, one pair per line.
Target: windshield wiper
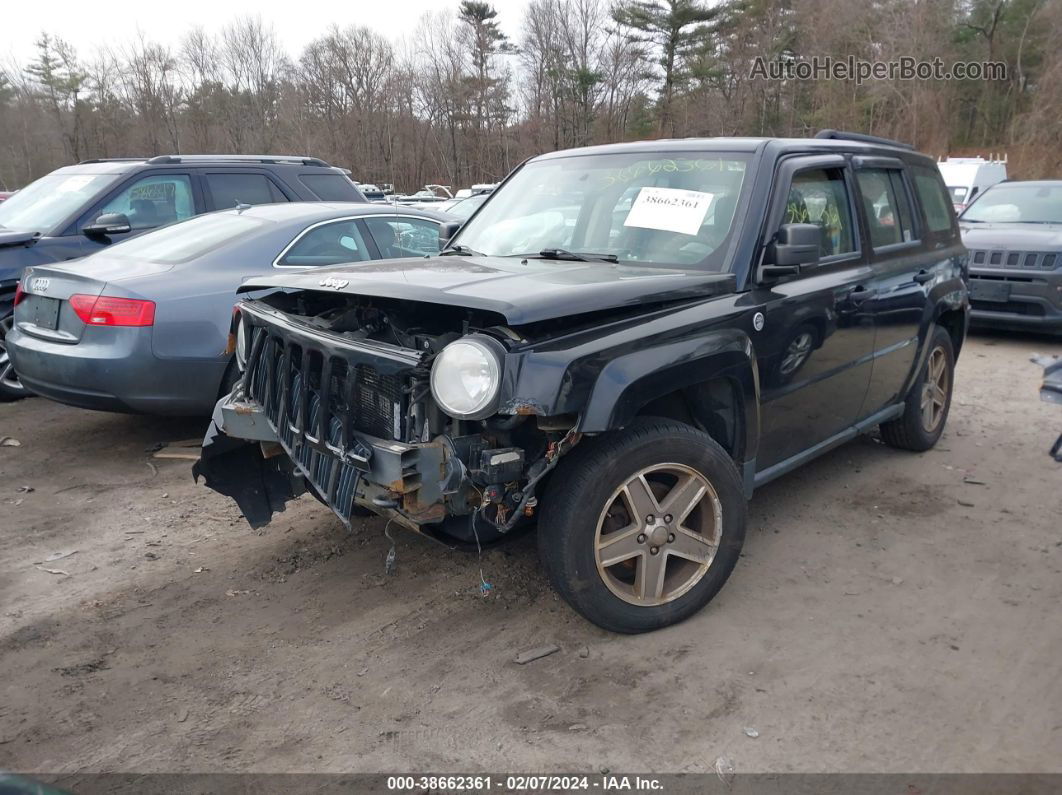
562,253
458,248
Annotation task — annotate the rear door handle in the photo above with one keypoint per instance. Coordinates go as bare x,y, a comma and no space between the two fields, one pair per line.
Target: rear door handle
923,276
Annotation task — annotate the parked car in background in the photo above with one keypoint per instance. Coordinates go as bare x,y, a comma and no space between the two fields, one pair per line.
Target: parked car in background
78,210
371,192
1014,234
143,326
430,193
716,313
967,177
461,208
475,190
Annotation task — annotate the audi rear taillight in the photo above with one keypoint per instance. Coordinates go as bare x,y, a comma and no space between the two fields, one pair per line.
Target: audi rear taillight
19,294
106,310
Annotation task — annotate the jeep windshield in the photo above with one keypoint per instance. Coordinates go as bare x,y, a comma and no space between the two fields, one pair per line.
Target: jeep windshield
647,208
1018,204
42,205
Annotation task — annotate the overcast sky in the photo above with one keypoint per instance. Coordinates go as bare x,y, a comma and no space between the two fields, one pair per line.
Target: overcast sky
88,23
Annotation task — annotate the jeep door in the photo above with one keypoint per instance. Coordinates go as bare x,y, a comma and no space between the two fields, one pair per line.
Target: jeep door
814,350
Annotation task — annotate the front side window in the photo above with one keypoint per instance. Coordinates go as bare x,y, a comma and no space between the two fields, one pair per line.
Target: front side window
404,237
820,196
327,244
639,208
230,190
154,201
887,207
49,201
1015,203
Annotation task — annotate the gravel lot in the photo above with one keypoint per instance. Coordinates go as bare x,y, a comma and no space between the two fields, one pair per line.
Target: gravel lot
892,612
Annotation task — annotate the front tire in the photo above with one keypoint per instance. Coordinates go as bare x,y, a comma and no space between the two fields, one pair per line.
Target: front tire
642,527
11,387
927,404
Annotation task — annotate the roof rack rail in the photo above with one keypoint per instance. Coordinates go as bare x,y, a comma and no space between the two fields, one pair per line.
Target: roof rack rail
841,135
112,160
266,159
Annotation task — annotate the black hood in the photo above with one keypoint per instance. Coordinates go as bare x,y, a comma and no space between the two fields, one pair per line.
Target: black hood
523,291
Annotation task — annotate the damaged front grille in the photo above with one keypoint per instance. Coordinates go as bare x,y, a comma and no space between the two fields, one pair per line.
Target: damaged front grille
316,397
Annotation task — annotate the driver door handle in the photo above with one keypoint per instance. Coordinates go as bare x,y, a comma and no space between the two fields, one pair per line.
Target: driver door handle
859,294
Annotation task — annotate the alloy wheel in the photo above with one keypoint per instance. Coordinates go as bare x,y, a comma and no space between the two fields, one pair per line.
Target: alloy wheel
658,534
935,389
8,378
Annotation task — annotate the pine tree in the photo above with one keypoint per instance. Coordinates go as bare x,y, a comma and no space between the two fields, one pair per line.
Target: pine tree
675,28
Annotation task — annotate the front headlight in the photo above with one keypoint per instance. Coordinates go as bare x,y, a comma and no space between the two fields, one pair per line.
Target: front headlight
465,378
243,343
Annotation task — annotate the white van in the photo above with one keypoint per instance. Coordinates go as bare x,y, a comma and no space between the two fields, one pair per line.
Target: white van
967,177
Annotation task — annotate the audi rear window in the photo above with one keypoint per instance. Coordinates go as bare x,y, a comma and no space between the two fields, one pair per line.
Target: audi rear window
189,239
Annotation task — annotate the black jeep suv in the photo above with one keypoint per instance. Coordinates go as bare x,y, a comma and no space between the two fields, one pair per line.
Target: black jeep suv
77,210
622,344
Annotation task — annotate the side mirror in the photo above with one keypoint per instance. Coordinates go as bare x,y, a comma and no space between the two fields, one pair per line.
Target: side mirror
108,224
794,246
447,229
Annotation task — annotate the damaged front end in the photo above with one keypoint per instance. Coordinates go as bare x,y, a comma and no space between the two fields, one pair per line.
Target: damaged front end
337,398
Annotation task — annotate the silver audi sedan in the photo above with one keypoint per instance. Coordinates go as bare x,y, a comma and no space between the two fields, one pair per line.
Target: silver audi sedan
143,326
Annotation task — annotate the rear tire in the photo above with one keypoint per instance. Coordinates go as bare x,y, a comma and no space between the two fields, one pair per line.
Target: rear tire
11,387
927,404
642,527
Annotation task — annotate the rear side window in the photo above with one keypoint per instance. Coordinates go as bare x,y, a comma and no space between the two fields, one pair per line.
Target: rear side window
887,206
819,196
154,201
228,190
328,244
935,199
331,187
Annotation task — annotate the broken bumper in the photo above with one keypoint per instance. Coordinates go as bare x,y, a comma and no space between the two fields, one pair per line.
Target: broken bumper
244,458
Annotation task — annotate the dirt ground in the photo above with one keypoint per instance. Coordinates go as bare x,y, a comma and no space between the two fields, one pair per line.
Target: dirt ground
892,613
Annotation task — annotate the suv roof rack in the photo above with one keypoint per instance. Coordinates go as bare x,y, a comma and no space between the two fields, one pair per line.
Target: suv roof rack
269,159
112,160
840,135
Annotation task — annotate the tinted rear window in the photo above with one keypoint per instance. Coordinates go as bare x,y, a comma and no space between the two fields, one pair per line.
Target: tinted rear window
935,198
228,190
331,187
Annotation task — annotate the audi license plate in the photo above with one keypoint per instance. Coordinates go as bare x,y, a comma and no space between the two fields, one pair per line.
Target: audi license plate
45,312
